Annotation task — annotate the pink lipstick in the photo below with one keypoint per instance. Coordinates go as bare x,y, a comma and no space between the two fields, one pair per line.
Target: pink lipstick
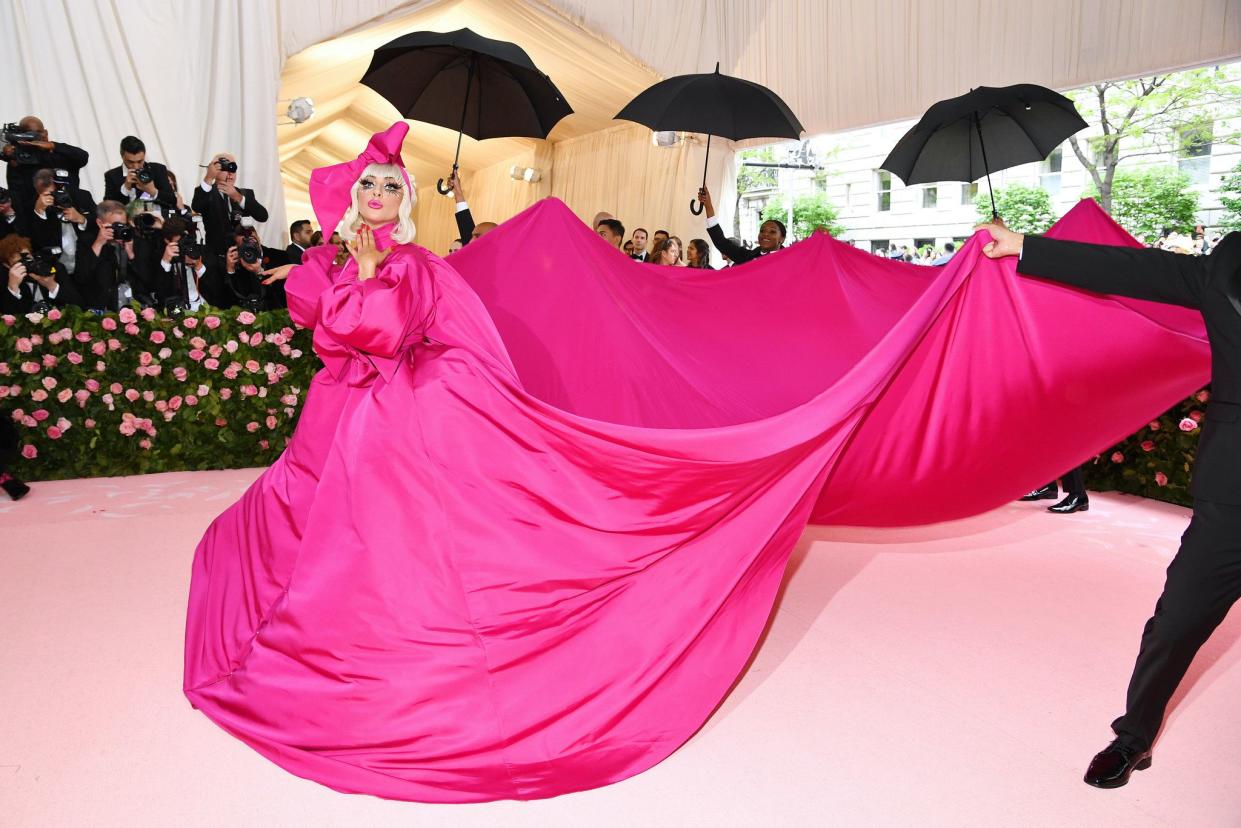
375,204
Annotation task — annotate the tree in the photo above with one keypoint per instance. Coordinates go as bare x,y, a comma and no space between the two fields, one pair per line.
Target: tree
809,212
1230,197
1024,209
1146,201
753,178
1150,116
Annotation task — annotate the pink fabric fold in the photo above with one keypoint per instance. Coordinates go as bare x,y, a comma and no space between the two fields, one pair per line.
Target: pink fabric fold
533,556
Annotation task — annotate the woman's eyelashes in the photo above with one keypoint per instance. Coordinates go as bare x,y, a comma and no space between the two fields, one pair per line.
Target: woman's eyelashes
390,186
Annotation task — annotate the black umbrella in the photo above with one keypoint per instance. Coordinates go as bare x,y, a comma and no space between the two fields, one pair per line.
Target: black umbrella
460,80
984,131
715,104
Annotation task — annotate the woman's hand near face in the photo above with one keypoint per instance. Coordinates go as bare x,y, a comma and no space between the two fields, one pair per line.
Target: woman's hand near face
366,253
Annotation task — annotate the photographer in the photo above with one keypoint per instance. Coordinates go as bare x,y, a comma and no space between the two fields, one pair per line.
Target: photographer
185,283
32,280
108,274
8,214
60,217
222,204
138,179
242,268
300,235
27,150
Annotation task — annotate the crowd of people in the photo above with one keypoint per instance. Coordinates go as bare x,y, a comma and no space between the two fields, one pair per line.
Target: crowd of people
141,243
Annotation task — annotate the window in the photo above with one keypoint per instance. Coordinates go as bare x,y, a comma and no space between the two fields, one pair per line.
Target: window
930,197
1049,171
880,246
1194,156
883,186
968,191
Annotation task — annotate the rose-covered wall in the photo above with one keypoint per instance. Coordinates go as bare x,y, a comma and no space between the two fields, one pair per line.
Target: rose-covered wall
136,392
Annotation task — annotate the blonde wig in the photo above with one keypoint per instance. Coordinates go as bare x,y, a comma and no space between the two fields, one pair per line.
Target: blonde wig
352,220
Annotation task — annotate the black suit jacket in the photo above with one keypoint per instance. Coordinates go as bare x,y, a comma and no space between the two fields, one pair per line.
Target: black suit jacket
738,254
293,253
62,156
465,225
46,232
1210,284
66,294
114,178
96,277
216,208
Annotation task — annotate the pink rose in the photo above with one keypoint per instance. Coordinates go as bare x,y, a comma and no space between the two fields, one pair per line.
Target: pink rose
190,322
49,361
211,364
216,350
4,391
40,414
4,369
114,345
155,370
286,332
157,337
127,316
256,338
108,323
1154,425
9,319
100,366
249,390
54,432
285,350
226,393
38,395
132,394
1202,396
92,385
145,358
1188,424
289,399
231,346
231,371
252,365
81,395
296,353
252,426
212,322
270,421
1161,479
1196,416
127,428
30,367
74,357
1117,457
198,342
131,329
174,402
64,395
49,383
263,444
53,314
245,317
83,336
220,422
161,405
1147,445
148,314
107,400
98,348
116,388
164,353
88,422
29,422
35,339
196,355
24,345
190,399
144,443
178,333
203,390
148,396
179,373
29,452
63,424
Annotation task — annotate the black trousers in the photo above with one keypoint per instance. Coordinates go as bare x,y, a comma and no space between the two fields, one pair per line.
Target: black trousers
1204,581
1074,482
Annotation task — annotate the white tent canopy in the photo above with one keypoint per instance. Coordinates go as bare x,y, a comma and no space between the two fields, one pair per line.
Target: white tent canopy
193,78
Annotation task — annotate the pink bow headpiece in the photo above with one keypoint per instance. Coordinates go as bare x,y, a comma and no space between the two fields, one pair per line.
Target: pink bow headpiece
331,187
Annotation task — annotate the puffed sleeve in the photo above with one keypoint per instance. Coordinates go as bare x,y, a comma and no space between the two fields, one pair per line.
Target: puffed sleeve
306,283
378,316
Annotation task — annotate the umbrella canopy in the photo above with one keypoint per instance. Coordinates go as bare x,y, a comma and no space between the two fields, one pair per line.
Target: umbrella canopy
461,80
984,131
716,104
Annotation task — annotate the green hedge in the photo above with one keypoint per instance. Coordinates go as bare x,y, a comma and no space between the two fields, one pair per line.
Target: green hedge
134,392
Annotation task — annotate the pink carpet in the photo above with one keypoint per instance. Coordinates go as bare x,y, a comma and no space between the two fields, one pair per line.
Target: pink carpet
958,674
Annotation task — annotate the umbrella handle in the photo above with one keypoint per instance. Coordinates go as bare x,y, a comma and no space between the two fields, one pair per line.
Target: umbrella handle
695,206
443,190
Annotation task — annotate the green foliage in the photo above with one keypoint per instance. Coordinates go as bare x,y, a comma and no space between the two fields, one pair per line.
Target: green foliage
1024,209
188,396
809,212
1146,201
1157,461
755,178
1230,197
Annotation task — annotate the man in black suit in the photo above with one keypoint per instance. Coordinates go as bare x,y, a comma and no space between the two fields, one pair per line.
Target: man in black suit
125,184
640,253
28,156
8,214
770,235
32,281
60,218
1204,579
300,232
466,228
222,204
110,274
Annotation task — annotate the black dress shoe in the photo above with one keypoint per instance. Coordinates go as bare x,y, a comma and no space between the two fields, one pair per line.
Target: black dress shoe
1071,504
15,488
1048,492
1112,766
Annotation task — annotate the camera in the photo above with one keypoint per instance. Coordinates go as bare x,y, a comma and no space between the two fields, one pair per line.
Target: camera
190,247
143,174
61,195
226,165
147,224
250,251
122,232
254,304
43,262
14,134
